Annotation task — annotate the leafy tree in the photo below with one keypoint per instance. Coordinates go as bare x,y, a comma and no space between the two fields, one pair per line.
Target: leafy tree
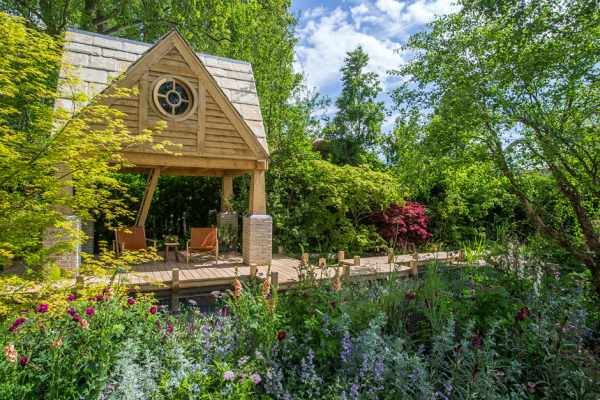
356,127
519,81
49,160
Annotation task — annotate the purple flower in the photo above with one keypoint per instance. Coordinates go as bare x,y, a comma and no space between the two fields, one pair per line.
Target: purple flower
100,297
152,310
130,302
90,311
71,311
12,328
76,318
19,321
43,308
24,361
71,298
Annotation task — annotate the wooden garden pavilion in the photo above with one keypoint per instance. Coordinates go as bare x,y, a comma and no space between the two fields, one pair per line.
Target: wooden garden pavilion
211,108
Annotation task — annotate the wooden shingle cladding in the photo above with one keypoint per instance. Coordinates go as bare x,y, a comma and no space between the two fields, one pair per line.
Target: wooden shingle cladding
224,136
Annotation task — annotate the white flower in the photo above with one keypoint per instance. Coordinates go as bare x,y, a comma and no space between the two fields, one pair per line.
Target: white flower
228,376
256,379
193,302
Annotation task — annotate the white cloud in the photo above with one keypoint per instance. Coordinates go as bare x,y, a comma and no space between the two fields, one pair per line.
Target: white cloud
380,26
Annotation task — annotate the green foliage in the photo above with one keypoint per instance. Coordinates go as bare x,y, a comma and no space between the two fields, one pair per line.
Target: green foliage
356,127
50,162
500,82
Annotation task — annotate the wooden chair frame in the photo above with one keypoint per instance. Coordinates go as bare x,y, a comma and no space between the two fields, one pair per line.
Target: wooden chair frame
203,249
119,246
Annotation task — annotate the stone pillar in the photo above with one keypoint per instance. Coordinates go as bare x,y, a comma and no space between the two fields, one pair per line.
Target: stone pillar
88,230
258,227
258,237
71,260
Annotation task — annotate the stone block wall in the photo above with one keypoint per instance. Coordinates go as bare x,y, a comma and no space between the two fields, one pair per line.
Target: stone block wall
70,260
88,229
227,219
258,238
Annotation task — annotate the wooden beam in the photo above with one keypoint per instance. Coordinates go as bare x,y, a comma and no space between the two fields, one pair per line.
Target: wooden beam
143,102
201,117
227,194
145,206
141,159
258,202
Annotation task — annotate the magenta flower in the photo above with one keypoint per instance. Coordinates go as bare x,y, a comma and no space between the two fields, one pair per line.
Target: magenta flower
281,336
19,321
71,298
90,311
170,329
344,299
458,310
24,361
526,311
76,318
520,316
23,311
105,290
12,328
100,297
332,304
159,325
152,310
91,299
437,294
71,311
305,295
268,297
130,302
43,308
410,296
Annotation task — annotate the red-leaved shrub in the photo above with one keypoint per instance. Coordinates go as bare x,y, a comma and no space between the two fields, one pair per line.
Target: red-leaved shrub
411,221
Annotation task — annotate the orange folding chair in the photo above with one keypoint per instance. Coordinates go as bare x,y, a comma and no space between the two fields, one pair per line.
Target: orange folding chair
204,240
131,239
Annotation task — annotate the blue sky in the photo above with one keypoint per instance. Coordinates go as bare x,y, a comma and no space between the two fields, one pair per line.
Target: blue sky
328,29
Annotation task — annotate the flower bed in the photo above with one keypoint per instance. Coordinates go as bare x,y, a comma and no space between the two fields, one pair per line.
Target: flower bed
512,329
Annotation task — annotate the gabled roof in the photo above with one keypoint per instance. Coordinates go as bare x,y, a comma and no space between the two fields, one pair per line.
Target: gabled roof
101,58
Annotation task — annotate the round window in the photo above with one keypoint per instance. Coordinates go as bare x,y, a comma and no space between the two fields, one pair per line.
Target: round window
173,97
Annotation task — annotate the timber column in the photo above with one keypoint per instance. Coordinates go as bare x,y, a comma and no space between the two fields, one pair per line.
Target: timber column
258,226
227,219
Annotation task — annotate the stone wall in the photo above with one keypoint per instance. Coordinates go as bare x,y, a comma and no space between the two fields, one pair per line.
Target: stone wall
227,219
88,229
70,260
258,237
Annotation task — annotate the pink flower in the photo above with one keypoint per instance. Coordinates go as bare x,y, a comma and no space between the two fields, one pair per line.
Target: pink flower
92,299
437,294
344,299
76,318
12,328
228,376
152,310
256,379
130,302
305,295
458,310
71,311
71,298
99,297
43,308
170,329
90,311
23,311
19,321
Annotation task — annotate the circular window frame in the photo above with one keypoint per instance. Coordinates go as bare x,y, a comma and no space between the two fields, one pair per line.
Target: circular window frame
158,108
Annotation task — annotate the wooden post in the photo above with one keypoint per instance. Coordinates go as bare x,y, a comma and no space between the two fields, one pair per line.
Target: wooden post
340,257
357,260
414,269
258,204
175,280
460,255
322,262
279,249
227,186
147,199
346,273
252,271
274,281
390,255
304,259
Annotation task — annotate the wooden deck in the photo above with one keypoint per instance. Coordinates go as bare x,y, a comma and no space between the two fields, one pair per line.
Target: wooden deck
203,274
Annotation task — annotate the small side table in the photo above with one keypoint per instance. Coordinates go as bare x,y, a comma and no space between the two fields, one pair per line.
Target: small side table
173,245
